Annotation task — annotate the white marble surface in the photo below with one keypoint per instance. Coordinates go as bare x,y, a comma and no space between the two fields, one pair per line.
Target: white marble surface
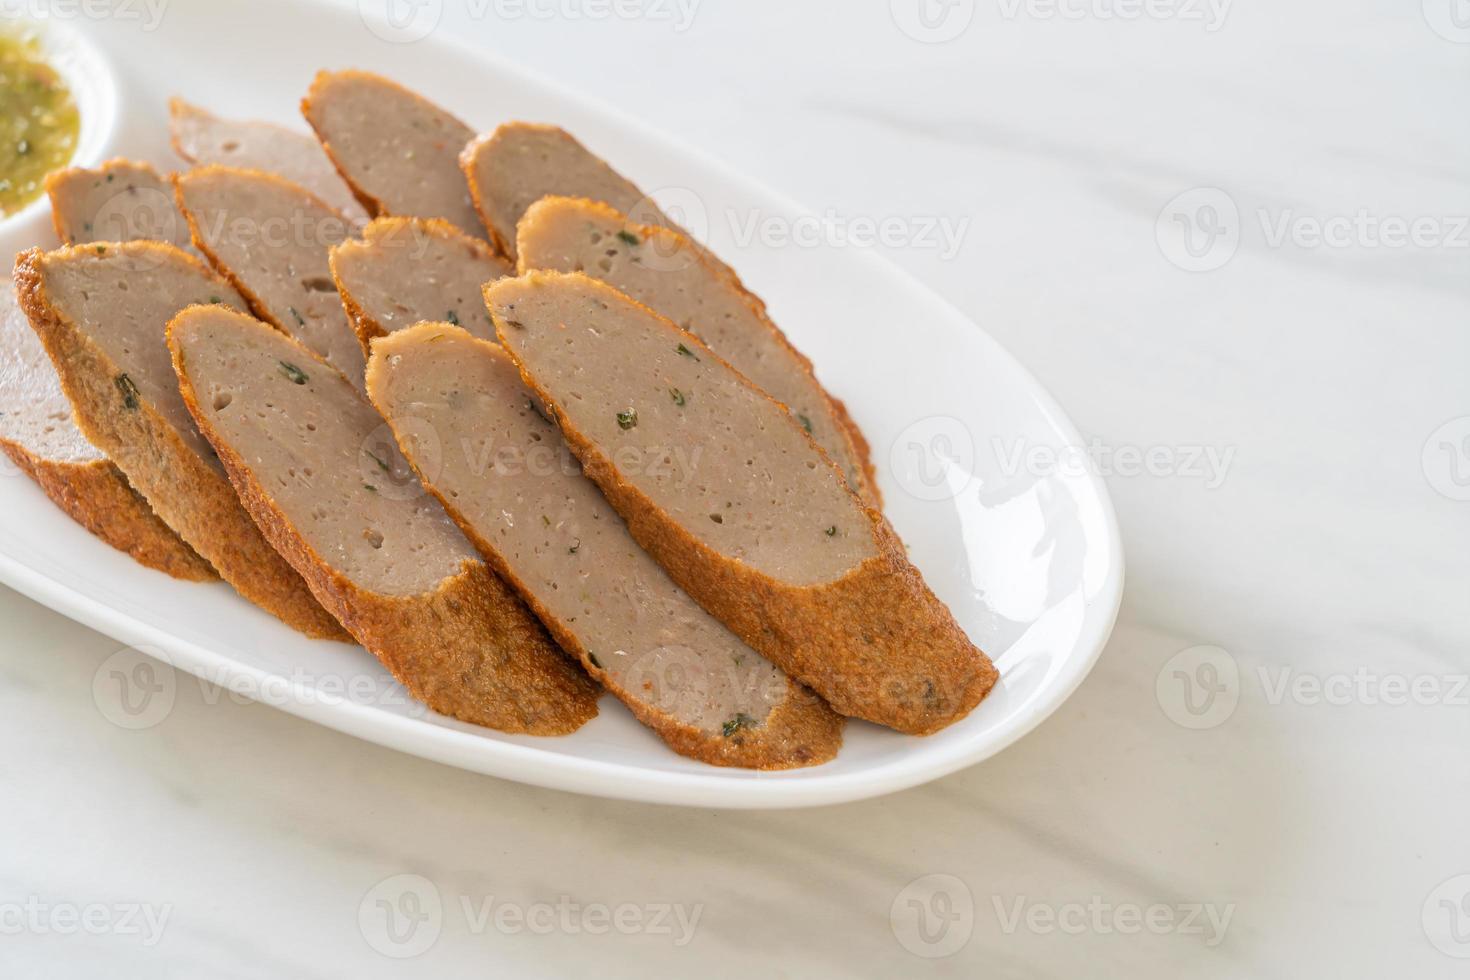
1318,832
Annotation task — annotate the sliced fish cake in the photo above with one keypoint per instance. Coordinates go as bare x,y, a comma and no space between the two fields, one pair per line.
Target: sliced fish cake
201,137
406,270
318,470
38,434
504,473
272,239
514,167
101,310
763,531
119,201
663,270
398,151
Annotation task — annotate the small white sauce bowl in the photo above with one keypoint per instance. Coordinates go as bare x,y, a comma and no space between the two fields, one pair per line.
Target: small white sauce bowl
89,77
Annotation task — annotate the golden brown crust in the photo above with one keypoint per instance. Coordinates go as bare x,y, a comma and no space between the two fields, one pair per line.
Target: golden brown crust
185,492
800,731
857,445
97,496
877,644
469,649
467,158
53,180
176,107
863,447
364,324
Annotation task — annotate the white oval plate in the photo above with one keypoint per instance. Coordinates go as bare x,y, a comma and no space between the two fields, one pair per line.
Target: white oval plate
984,476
